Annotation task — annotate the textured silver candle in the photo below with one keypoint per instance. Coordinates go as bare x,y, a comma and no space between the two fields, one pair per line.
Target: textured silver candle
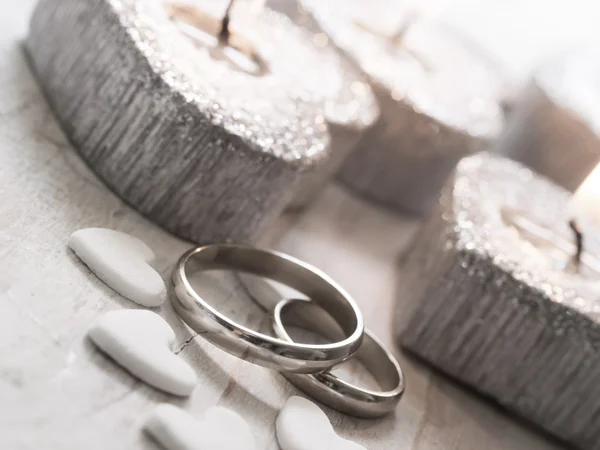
555,124
486,304
438,101
210,147
348,119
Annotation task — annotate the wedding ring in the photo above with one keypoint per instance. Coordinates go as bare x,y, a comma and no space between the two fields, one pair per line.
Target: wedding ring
327,387
250,345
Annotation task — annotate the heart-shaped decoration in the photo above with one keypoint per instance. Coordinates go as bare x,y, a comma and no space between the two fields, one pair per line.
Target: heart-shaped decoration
219,429
122,262
141,342
302,425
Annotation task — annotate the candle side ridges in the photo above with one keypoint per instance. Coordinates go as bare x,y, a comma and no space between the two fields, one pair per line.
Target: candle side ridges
468,304
207,150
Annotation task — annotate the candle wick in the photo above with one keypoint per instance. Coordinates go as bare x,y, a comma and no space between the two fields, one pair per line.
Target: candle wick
578,242
397,38
224,33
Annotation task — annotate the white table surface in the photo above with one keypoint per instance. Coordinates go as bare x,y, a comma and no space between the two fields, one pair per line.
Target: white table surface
58,392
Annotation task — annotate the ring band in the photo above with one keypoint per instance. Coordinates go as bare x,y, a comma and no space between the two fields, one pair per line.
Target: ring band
332,390
250,345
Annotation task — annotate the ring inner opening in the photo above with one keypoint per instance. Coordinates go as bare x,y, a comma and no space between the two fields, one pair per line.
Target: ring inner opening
298,281
243,298
370,369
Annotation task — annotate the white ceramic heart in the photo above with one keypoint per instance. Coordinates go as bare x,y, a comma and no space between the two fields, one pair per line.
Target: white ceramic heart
219,429
302,425
122,262
141,342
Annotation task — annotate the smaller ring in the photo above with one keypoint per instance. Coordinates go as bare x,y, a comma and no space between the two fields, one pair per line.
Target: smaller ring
251,345
327,387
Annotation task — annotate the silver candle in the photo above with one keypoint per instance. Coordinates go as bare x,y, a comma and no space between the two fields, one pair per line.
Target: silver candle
554,125
211,141
439,102
491,294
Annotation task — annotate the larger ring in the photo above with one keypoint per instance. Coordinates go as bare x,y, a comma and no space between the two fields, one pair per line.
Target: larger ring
332,390
250,345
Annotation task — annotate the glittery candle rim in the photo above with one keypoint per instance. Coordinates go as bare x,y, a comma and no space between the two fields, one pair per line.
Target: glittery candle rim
341,103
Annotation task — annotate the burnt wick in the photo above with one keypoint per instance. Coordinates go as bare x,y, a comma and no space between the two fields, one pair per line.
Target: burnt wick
398,37
224,33
578,242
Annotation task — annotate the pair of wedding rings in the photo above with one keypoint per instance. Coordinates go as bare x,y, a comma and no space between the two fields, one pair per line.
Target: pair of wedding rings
328,311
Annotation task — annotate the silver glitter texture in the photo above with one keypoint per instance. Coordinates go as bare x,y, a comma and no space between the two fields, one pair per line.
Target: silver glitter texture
349,118
208,152
439,102
554,126
475,301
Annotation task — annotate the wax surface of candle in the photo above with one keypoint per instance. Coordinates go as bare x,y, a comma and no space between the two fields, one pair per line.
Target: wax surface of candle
205,31
557,249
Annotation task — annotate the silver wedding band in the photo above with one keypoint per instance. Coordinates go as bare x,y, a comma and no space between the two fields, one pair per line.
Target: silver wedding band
327,387
250,345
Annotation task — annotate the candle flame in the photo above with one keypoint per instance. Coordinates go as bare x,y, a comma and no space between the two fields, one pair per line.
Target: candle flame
586,200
